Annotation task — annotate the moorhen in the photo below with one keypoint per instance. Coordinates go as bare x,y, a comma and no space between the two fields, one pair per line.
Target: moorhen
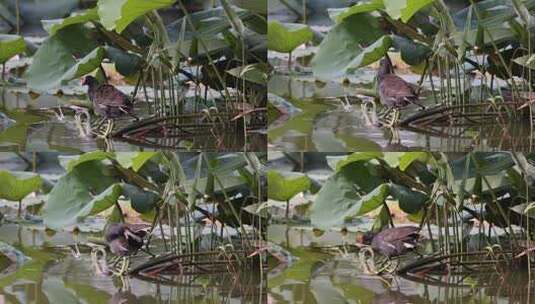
394,92
391,241
108,102
126,239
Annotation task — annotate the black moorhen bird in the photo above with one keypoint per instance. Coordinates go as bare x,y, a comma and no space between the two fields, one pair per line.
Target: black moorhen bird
126,239
108,102
392,241
394,92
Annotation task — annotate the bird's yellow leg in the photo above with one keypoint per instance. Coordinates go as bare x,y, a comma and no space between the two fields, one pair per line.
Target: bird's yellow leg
114,260
95,128
385,113
397,115
125,264
99,122
108,130
394,119
366,258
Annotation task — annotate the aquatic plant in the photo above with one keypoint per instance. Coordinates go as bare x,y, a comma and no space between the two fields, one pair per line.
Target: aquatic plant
216,49
284,187
16,186
286,37
492,37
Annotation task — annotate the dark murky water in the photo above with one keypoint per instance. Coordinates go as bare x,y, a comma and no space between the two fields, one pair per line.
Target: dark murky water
320,122
36,124
55,274
316,277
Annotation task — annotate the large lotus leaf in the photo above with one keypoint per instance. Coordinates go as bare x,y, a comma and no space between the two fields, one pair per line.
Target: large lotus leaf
487,25
135,160
58,215
285,187
339,14
482,163
10,45
404,9
409,201
142,201
6,14
412,52
481,37
338,200
118,14
286,37
56,291
499,183
228,183
527,61
14,186
88,189
372,53
208,24
17,133
339,162
126,63
71,162
235,21
54,62
224,164
406,159
489,12
256,6
381,220
54,25
343,44
256,73
85,66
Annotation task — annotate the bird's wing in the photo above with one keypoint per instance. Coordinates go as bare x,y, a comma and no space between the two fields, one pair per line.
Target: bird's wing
139,227
131,235
108,95
400,234
395,86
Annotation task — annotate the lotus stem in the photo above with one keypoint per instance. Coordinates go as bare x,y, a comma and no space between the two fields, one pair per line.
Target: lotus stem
17,13
287,210
304,12
20,209
290,63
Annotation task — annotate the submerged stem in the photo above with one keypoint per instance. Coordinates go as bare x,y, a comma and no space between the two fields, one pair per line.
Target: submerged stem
287,210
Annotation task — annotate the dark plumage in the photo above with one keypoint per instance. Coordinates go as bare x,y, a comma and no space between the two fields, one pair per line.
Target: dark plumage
393,90
126,239
107,100
393,241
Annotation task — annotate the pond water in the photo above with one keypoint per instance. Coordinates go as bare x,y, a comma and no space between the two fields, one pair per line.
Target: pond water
318,120
38,265
54,273
36,124
317,277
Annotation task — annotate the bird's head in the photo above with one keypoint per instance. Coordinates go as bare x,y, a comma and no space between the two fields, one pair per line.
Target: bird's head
364,238
114,232
89,80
